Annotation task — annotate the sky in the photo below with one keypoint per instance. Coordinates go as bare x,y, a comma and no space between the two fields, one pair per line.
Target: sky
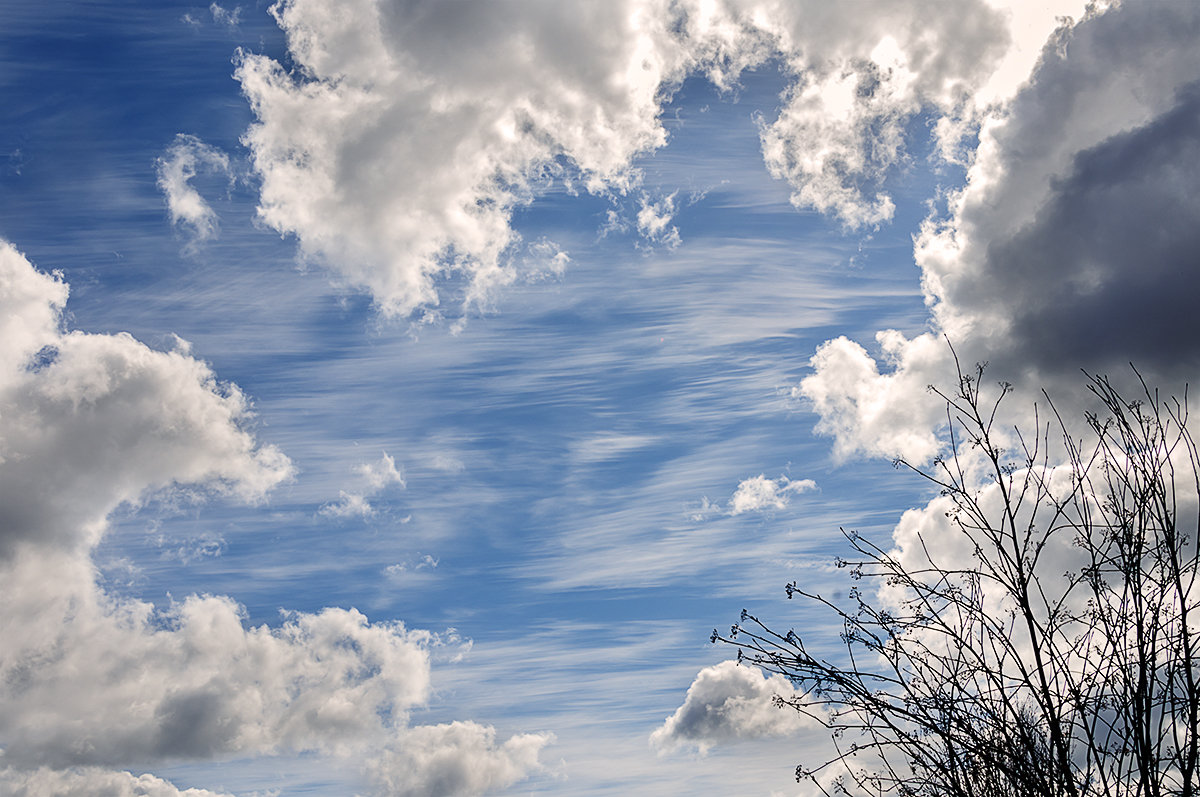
395,395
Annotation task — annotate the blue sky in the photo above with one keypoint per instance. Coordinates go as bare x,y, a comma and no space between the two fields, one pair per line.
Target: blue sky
543,410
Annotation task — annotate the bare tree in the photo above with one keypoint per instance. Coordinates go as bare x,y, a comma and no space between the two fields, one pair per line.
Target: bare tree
1058,657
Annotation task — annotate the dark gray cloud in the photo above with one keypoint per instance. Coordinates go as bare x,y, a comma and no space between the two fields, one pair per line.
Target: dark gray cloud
1074,244
1110,270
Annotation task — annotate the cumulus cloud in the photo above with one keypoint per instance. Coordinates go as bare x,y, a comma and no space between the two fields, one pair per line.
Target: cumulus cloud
760,493
192,681
859,75
756,494
185,158
836,133
1070,245
728,703
94,421
395,164
90,682
91,782
456,758
398,167
886,414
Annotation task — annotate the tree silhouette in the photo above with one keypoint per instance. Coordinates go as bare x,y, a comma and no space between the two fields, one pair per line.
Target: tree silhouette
1043,641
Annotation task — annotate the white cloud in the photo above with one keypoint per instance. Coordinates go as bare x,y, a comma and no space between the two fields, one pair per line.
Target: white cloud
375,478
222,16
654,220
859,74
395,164
201,546
186,157
886,414
192,681
727,703
382,474
608,447
348,505
94,421
760,493
547,259
456,758
836,132
32,305
397,167
91,782
422,562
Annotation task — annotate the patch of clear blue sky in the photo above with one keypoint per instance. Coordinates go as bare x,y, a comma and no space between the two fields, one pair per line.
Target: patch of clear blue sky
557,451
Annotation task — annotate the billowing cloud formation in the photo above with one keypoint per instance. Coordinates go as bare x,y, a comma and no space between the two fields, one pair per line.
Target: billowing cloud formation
391,161
91,682
456,758
90,782
186,157
194,683
1072,244
837,131
396,166
92,421
760,493
727,703
191,682
885,414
